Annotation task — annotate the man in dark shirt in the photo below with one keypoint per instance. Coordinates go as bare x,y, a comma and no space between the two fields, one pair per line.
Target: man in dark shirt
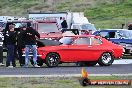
30,42
21,45
64,25
10,41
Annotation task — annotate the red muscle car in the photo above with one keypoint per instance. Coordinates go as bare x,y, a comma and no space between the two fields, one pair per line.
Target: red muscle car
82,49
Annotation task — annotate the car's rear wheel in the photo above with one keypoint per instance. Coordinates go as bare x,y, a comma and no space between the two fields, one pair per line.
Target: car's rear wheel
52,60
106,59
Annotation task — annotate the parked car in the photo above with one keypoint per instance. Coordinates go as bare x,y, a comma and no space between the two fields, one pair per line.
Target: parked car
118,36
88,50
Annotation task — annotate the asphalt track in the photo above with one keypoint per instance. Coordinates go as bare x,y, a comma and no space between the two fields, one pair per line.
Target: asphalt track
119,69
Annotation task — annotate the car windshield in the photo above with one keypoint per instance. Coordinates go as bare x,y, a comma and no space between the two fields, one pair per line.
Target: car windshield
125,34
47,27
88,27
18,25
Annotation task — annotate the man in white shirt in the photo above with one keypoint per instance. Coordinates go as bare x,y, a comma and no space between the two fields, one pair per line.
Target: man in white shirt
65,40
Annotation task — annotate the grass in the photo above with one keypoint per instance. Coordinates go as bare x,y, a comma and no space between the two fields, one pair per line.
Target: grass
103,13
58,82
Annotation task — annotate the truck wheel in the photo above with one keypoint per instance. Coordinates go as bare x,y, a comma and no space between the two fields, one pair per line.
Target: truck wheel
106,59
52,60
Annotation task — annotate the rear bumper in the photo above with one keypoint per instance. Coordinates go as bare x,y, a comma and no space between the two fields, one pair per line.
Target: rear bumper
30,55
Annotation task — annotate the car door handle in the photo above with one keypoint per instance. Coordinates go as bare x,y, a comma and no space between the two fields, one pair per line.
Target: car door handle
89,46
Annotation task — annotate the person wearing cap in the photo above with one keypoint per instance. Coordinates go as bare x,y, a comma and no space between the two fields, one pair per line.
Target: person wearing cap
30,44
21,44
1,47
10,41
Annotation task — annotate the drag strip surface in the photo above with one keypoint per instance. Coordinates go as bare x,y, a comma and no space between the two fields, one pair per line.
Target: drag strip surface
61,70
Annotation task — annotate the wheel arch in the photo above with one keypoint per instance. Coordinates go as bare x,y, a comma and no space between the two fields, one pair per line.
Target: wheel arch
106,64
107,52
53,62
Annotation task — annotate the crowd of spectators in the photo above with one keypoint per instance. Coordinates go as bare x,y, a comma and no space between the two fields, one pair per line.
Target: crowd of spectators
15,41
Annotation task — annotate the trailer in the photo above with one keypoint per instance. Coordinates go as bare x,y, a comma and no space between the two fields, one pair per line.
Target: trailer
75,20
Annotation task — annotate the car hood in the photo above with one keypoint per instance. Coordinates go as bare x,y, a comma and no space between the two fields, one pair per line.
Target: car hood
118,41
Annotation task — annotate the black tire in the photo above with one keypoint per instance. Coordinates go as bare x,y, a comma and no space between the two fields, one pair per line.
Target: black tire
91,63
52,60
39,61
106,59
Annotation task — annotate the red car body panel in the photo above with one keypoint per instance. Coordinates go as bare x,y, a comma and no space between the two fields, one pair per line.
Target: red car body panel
75,53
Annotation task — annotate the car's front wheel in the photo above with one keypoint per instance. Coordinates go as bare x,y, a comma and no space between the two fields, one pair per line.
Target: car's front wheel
52,60
106,59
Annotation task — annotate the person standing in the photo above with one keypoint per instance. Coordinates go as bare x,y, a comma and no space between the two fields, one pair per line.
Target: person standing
21,45
59,23
64,25
11,41
30,42
1,47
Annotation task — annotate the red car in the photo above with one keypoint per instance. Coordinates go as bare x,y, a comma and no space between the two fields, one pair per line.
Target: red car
86,50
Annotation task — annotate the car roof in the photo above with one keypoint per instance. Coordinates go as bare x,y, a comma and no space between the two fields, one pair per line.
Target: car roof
82,36
114,29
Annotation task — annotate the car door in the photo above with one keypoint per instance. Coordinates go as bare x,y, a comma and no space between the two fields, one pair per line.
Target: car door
80,50
97,48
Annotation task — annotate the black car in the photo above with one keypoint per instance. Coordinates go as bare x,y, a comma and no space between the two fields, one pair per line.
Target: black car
118,36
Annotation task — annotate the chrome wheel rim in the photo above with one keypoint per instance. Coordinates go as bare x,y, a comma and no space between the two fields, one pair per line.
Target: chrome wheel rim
106,58
53,60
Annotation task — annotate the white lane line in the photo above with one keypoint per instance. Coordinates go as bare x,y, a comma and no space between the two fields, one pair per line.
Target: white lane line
64,75
123,61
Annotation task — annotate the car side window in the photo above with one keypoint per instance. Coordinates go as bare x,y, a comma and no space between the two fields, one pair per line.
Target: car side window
95,41
104,34
82,41
111,34
108,34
